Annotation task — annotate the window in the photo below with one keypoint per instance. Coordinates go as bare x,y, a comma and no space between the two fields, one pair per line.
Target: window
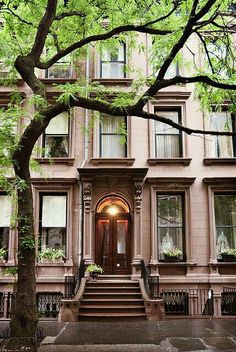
113,137
5,214
221,146
170,229
56,137
113,62
225,222
53,221
61,69
168,140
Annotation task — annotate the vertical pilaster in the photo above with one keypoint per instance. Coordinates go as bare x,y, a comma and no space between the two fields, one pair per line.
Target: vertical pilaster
87,228
137,252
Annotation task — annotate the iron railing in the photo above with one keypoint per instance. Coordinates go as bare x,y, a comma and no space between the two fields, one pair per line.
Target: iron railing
6,301
151,282
48,304
72,282
197,302
228,301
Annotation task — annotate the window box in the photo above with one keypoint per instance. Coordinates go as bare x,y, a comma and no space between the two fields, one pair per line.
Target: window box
228,257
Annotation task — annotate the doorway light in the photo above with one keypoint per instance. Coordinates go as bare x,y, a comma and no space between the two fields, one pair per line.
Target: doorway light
113,210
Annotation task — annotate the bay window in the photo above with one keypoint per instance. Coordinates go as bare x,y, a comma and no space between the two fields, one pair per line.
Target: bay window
113,62
225,222
5,214
53,221
167,139
56,137
113,136
170,225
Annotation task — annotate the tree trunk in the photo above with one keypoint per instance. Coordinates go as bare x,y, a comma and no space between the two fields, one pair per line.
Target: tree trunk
24,317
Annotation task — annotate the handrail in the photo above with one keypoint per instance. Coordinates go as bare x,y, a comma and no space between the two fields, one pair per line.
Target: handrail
151,282
72,282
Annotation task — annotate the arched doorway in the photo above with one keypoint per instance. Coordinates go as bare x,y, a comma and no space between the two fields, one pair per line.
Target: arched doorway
113,247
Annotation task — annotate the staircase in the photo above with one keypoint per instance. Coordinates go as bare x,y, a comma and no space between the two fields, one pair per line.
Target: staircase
112,297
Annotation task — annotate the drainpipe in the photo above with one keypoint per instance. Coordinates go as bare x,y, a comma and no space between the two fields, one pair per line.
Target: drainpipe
86,141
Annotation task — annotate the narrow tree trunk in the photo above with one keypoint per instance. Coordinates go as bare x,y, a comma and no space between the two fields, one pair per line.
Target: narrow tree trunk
24,317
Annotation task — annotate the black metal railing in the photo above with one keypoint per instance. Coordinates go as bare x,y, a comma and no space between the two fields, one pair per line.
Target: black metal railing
6,301
198,302
228,301
72,282
48,304
151,282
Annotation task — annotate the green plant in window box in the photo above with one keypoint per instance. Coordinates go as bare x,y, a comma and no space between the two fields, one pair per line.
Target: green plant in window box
51,255
229,255
94,270
3,254
172,255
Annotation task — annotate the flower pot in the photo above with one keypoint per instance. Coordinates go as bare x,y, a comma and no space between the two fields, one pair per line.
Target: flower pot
94,274
228,257
171,259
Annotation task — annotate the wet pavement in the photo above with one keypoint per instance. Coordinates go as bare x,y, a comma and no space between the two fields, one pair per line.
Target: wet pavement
169,335
192,335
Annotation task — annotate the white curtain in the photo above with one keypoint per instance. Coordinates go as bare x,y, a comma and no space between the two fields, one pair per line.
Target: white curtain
220,146
167,137
54,211
111,144
5,211
58,125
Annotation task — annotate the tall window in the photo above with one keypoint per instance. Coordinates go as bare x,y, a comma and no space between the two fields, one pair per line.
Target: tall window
61,69
170,229
56,137
225,221
221,146
5,213
113,136
113,62
53,221
168,140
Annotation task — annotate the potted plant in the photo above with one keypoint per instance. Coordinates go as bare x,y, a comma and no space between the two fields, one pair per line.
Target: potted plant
172,255
3,253
229,255
94,270
51,255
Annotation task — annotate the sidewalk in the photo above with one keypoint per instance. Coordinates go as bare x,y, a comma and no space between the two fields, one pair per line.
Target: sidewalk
141,336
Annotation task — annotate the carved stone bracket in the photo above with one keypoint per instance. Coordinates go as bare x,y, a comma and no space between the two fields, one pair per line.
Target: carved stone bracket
138,189
87,196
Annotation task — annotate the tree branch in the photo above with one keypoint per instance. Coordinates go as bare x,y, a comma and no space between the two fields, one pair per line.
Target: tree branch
98,37
69,14
200,78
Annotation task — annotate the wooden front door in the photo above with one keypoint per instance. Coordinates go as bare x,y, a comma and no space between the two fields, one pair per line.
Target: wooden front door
113,243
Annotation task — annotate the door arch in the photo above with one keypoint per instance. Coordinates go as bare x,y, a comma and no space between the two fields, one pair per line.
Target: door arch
113,245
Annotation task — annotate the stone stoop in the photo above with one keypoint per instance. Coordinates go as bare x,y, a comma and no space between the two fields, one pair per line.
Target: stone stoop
112,297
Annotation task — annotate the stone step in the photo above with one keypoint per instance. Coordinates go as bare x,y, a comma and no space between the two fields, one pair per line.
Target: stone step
110,309
111,295
116,289
119,301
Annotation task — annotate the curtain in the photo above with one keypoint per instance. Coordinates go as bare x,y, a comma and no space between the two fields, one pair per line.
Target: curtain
54,211
59,124
5,211
220,146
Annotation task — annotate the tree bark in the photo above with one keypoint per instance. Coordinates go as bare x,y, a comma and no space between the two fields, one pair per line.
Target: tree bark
24,317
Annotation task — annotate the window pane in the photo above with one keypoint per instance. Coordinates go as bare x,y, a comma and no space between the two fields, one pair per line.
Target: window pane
111,124
54,211
112,147
167,138
220,146
59,124
56,146
54,237
225,220
4,238
170,223
5,211
113,70
167,146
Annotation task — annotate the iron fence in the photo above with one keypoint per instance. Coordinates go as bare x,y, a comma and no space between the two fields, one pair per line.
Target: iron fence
228,301
48,304
6,301
151,282
197,302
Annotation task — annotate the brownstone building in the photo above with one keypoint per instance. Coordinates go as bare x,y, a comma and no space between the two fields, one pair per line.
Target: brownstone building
129,190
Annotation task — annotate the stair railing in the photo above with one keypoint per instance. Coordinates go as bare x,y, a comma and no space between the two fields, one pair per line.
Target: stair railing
72,282
151,282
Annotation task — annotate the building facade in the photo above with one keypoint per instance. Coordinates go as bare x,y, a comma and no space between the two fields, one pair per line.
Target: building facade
119,190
